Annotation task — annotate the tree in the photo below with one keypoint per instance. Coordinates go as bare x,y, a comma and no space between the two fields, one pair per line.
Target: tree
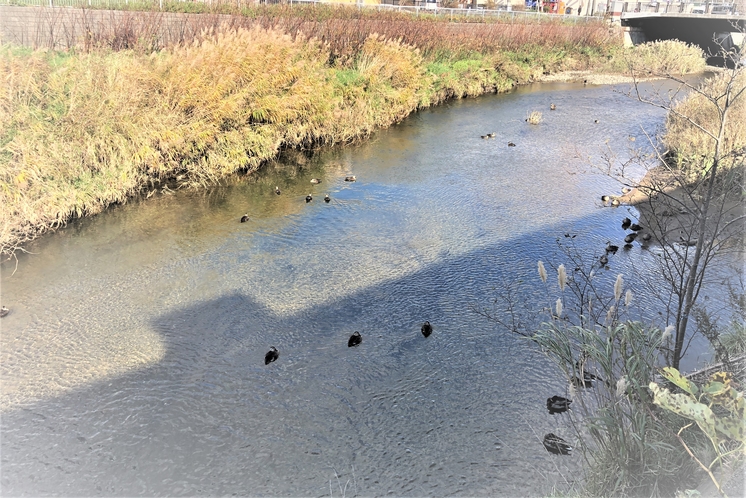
692,202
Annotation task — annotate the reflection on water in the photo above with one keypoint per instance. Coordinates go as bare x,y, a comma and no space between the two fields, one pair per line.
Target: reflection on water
132,362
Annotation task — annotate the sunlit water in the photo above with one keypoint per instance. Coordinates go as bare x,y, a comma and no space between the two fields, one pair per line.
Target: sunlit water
132,361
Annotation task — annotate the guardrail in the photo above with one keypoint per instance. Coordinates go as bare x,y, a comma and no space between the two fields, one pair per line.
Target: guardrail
504,11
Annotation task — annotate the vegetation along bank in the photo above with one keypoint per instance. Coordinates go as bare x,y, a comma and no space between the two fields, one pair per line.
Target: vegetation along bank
123,112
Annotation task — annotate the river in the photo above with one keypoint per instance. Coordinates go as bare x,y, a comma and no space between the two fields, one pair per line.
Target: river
132,360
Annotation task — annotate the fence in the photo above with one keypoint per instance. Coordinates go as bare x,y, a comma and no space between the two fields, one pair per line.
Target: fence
420,7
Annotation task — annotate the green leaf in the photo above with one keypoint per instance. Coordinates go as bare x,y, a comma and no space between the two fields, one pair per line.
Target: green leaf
675,376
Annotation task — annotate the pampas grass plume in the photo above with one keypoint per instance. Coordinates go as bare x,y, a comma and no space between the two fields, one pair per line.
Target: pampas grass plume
542,272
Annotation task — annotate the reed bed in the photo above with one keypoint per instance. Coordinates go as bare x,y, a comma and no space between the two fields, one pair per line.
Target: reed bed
343,29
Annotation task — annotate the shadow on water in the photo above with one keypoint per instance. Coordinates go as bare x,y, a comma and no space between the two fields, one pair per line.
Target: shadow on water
426,232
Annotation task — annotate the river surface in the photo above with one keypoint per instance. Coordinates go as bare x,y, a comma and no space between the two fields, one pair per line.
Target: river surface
132,360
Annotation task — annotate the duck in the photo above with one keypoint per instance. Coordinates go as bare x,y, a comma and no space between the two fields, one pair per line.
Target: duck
588,378
626,190
635,227
355,339
611,249
309,198
277,190
327,199
315,181
604,260
350,178
626,222
245,218
630,237
491,135
605,198
552,107
646,237
556,445
596,121
271,355
615,202
558,404
4,312
427,329
511,144
627,247
585,82
484,137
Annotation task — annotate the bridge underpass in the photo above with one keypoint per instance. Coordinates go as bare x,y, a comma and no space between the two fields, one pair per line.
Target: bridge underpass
711,33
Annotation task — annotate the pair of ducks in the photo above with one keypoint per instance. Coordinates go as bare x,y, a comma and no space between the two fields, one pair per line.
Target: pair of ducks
327,199
355,340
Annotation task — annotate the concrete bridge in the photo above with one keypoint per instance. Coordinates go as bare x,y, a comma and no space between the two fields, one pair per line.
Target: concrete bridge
713,30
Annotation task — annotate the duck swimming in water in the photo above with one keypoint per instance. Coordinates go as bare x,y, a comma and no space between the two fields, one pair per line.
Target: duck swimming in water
277,190
611,249
558,404
556,445
4,312
271,355
552,107
630,237
646,237
355,339
308,198
350,179
511,144
427,329
244,218
635,227
491,135
604,260
327,199
626,222
315,181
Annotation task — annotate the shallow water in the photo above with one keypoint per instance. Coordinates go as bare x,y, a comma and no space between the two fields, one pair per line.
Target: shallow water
132,361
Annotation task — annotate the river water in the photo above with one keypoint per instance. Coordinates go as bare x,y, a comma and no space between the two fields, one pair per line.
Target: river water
132,360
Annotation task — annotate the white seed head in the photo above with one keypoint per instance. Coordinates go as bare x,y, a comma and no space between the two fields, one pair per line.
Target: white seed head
627,297
621,385
542,272
618,287
610,313
559,307
561,276
667,333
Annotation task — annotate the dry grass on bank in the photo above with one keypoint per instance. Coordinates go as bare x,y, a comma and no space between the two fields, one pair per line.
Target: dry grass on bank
688,143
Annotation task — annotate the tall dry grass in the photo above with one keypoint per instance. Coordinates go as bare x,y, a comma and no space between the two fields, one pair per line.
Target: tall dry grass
687,139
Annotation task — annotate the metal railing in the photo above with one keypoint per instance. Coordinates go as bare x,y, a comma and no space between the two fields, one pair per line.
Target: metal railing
503,11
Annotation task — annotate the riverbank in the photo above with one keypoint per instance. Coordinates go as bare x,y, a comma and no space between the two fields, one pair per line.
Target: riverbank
82,131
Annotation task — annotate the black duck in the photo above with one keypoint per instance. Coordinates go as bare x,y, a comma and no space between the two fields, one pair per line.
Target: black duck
630,238
350,178
271,355
327,199
558,404
611,249
277,190
635,227
557,445
626,222
355,339
308,198
427,329
604,260
511,144
244,218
